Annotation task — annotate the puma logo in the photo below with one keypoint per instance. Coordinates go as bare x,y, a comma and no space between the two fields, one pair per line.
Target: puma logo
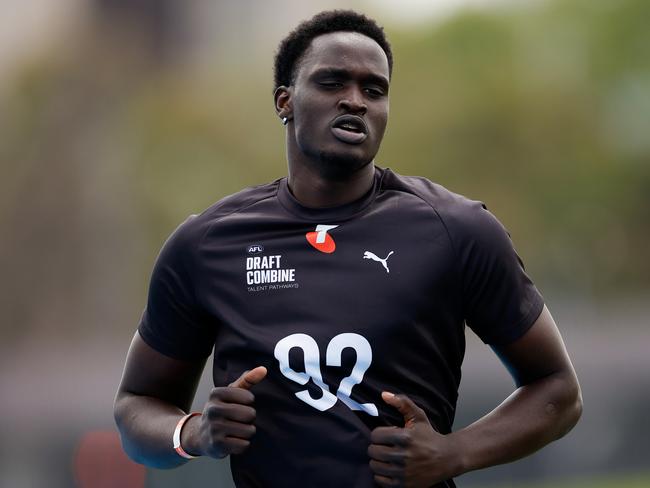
374,257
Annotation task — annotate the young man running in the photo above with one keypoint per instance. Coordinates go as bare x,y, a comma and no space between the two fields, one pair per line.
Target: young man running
335,300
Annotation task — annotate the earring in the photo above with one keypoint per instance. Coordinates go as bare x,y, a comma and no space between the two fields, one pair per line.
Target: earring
285,120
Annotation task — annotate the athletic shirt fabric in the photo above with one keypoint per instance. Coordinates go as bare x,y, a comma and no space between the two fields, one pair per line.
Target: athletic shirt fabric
255,278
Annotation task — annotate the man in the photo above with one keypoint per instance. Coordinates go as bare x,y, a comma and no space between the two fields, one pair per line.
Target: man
335,300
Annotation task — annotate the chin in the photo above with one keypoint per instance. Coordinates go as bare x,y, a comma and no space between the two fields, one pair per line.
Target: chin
338,165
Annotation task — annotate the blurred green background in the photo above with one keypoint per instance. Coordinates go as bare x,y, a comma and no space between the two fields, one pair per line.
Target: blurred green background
118,118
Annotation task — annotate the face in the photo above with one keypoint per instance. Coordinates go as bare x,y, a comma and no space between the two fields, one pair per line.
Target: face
338,103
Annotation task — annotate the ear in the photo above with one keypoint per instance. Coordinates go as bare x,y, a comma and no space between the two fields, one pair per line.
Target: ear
282,98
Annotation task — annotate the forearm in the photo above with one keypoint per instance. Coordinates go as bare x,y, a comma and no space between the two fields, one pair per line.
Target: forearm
533,416
146,425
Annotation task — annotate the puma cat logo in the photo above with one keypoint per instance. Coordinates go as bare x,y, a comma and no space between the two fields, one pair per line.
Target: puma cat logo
374,257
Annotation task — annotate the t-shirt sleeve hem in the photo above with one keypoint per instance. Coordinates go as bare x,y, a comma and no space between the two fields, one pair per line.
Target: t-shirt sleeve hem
516,332
168,350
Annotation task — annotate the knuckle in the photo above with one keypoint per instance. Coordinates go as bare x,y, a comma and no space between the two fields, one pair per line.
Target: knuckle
216,430
240,396
399,458
406,438
243,431
233,411
377,435
247,396
252,414
373,436
379,480
217,392
213,412
244,414
239,447
397,472
384,481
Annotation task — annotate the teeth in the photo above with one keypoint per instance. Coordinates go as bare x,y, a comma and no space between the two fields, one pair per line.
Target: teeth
349,127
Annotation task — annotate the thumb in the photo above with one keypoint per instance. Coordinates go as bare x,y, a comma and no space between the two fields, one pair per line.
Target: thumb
411,412
249,378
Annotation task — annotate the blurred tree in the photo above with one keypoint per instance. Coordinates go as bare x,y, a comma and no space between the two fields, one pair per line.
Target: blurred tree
542,112
547,108
151,25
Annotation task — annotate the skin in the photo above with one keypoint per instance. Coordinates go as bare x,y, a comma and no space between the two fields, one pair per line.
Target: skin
340,73
545,406
156,391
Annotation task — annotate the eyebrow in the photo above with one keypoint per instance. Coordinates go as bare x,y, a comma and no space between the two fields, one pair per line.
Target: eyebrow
343,73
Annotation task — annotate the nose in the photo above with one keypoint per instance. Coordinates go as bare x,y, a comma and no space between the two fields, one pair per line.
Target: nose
353,103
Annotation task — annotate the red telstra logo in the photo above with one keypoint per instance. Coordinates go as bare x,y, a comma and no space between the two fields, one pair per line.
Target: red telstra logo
321,240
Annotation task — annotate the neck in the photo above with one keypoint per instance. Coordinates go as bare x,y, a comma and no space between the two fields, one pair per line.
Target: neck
314,190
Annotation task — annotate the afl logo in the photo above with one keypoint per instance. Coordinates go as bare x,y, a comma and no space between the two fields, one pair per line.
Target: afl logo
255,248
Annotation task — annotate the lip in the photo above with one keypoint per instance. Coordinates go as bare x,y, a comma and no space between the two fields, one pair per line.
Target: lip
347,136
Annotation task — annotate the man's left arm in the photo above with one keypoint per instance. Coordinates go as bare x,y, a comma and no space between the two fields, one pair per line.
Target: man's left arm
545,406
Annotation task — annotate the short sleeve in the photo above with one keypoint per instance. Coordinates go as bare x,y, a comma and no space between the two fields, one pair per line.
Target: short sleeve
500,301
173,323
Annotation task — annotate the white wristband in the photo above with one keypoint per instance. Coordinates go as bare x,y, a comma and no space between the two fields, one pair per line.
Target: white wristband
177,436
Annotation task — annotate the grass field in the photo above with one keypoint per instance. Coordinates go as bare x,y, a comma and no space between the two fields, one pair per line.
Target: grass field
631,481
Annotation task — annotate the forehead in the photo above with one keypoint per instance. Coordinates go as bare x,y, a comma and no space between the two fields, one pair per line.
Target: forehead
347,50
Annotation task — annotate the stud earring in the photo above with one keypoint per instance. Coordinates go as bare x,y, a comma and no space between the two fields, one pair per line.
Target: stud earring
285,120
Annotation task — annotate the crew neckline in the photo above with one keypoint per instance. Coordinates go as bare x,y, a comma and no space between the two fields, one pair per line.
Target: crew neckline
337,213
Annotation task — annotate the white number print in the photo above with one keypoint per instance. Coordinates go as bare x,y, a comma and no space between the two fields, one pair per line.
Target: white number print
333,358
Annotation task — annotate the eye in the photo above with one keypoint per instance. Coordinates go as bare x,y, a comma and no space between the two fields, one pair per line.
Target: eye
374,92
331,84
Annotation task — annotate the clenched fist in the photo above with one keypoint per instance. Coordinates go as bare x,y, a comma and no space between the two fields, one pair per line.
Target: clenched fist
226,425
413,456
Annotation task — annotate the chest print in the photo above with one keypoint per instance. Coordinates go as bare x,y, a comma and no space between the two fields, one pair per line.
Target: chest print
374,257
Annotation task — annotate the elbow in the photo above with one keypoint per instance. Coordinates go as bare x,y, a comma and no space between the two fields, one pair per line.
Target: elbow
575,409
572,406
125,418
120,412
120,409
135,442
133,453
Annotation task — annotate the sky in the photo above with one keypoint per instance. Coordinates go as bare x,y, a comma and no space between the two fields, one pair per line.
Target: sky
26,26
418,11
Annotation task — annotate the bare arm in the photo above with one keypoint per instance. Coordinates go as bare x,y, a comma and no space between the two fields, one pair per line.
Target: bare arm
156,391
545,406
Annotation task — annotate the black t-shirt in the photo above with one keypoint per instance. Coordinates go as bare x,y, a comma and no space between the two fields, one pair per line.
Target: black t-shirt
339,304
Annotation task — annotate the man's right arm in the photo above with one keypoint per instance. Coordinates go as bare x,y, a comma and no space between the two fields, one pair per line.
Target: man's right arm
156,391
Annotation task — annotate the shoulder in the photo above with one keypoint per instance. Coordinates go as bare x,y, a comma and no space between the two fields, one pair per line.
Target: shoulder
187,236
240,201
461,216
235,203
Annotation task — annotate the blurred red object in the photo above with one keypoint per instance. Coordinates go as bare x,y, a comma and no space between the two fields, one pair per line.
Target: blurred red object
100,462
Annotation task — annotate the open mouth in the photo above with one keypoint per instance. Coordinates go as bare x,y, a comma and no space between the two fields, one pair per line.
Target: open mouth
350,129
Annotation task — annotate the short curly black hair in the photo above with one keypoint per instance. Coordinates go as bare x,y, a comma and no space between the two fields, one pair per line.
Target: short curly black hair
293,46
